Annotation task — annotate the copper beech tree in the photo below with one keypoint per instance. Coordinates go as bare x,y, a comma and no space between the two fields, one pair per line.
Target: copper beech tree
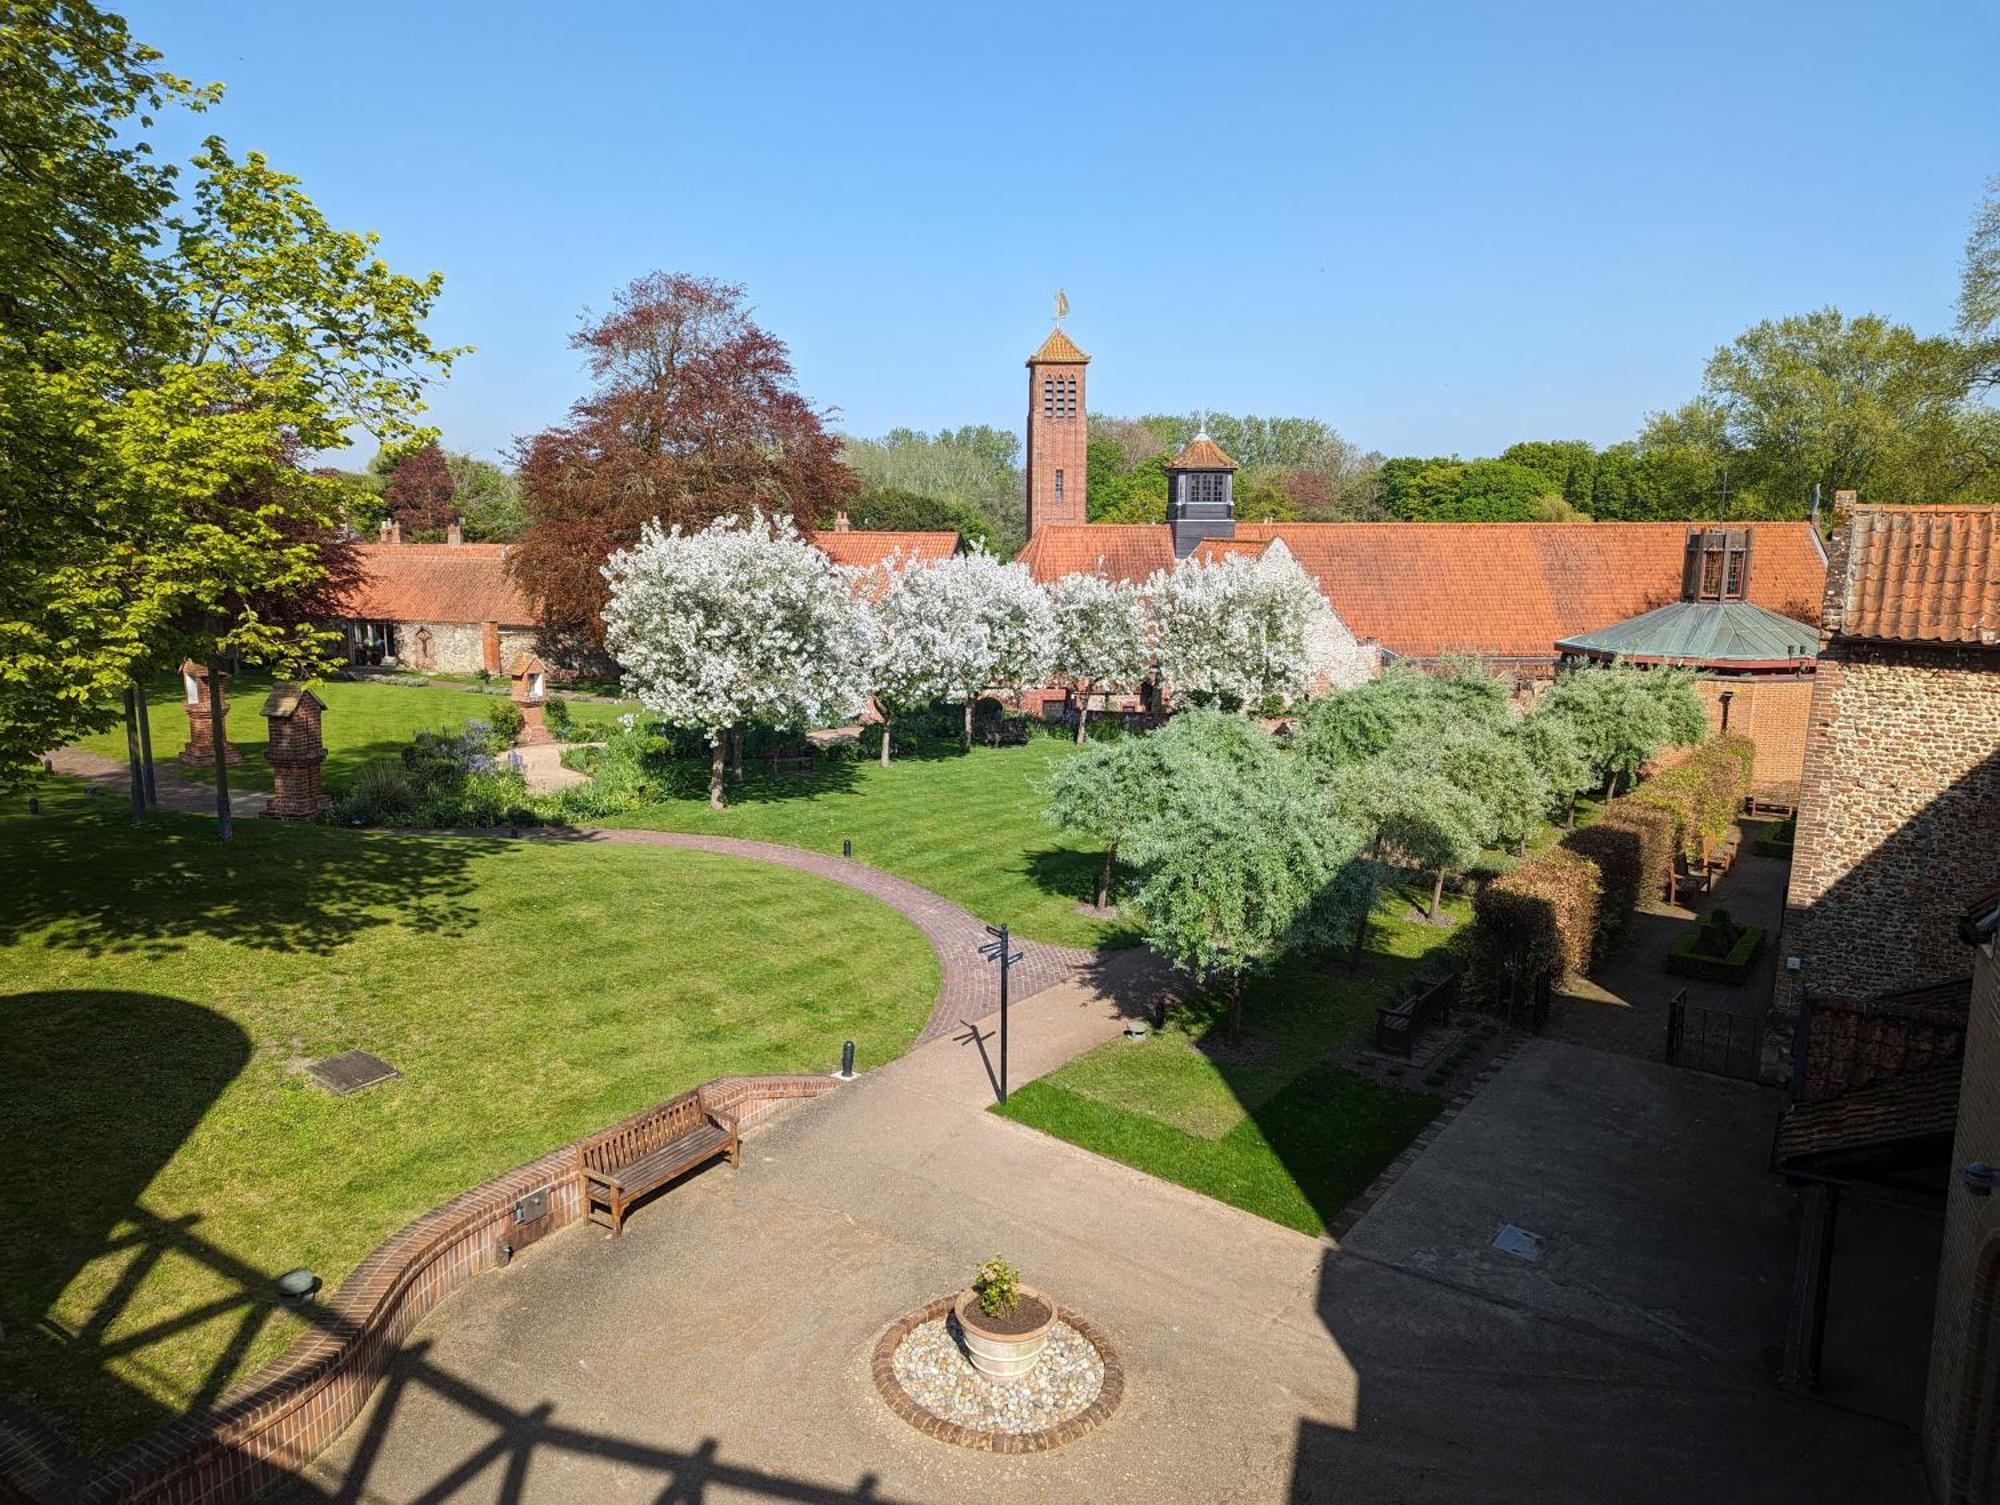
693,414
419,494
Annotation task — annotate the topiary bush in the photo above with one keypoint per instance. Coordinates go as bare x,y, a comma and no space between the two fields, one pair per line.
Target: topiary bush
1716,949
1615,852
1653,829
1537,922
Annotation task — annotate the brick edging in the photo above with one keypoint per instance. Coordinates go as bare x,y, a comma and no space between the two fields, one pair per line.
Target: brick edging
271,1424
991,1439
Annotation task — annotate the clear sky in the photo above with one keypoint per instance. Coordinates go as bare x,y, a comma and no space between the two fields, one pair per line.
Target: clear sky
1440,227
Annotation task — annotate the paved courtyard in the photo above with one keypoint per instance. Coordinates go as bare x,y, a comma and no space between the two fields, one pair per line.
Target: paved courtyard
718,1352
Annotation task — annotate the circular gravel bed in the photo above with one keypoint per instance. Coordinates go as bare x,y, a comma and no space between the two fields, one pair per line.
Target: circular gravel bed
928,1381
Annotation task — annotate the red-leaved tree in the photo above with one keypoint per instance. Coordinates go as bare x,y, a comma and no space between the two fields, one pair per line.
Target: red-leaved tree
419,494
693,413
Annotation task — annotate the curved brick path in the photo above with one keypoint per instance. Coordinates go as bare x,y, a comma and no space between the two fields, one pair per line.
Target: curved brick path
968,984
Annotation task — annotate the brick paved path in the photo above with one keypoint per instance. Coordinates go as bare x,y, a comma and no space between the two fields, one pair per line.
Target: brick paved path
177,791
968,984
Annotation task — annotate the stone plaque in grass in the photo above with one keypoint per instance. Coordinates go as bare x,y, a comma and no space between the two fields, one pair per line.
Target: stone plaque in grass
351,1071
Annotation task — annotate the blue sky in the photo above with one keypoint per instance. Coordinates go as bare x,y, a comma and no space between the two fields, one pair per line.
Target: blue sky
1437,226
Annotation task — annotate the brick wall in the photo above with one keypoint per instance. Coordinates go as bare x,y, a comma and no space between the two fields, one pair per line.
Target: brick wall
1772,713
1968,1291
264,1429
1058,443
1899,819
462,647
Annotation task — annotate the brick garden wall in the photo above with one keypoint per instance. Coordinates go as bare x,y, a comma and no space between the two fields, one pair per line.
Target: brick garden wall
264,1429
1772,713
1968,1290
1899,819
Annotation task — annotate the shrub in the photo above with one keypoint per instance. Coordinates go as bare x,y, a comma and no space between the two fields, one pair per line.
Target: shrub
506,721
1704,792
1777,840
1654,829
1615,852
1537,922
380,794
998,1287
556,717
1716,949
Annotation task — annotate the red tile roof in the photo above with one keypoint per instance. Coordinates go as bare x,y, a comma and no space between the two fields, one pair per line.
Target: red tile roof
1209,550
426,582
1201,453
1120,551
1914,1105
866,548
1059,348
1499,590
1918,575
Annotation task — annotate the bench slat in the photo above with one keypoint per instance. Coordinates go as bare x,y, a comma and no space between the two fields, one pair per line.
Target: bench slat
663,1164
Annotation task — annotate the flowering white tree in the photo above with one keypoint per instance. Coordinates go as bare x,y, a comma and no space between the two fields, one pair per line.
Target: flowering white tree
915,631
737,623
1100,637
949,630
1240,625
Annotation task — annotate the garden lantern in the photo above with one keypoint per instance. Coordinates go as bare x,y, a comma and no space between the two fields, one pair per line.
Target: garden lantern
297,748
200,685
529,691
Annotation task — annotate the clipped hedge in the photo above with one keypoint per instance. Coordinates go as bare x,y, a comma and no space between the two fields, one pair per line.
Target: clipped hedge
1539,921
1653,827
1703,793
1686,959
1615,851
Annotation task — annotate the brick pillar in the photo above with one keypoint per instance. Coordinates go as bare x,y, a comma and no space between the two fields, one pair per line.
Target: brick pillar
530,693
200,749
297,748
489,646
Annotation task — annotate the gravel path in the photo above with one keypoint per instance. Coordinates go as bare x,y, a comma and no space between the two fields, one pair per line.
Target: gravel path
177,792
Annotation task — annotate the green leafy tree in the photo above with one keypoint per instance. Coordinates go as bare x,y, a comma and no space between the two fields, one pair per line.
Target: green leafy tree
419,493
1622,718
1105,792
488,499
891,510
1553,750
975,468
1979,291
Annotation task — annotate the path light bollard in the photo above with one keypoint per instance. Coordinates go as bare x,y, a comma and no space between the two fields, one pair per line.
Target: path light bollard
847,1062
847,848
1000,949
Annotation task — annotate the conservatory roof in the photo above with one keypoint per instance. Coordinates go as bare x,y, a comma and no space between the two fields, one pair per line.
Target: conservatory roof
1703,634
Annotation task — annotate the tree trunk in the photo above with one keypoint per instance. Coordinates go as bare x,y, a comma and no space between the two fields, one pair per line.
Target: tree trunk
132,757
1569,811
1236,1008
736,756
968,723
715,742
885,741
1082,715
1104,876
146,748
225,822
1610,783
1437,895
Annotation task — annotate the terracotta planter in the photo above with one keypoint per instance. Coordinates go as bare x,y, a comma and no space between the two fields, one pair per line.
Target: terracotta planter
1001,1355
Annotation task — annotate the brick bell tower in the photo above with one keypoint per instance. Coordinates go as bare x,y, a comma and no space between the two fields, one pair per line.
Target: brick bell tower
1058,437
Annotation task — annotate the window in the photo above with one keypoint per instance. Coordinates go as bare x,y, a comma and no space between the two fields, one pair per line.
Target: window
1059,487
1205,489
1048,397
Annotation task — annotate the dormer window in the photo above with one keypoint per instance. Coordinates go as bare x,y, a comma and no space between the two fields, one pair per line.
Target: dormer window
1718,566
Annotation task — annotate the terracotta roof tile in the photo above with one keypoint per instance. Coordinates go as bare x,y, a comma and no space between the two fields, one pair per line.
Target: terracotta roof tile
1920,575
1119,551
1913,1105
422,582
1060,348
865,548
1201,453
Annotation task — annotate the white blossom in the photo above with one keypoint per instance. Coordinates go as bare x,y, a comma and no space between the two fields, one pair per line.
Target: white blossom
1100,636
737,623
1242,625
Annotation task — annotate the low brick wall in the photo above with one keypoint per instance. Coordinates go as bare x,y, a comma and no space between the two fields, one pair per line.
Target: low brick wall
266,1428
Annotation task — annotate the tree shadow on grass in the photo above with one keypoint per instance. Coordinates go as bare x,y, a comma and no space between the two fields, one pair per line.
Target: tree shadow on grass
103,887
98,1091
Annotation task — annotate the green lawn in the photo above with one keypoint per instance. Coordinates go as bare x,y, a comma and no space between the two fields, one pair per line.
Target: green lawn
161,990
1274,1128
365,723
967,826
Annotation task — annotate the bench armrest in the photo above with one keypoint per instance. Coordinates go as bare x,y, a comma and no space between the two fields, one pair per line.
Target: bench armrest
722,1119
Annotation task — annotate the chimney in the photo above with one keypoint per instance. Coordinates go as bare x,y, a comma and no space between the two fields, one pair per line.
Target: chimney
840,523
454,533
1845,499
382,533
395,532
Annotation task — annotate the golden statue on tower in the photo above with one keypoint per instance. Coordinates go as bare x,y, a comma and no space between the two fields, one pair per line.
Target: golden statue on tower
1062,305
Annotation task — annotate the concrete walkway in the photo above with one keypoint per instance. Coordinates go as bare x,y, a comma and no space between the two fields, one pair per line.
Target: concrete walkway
968,984
176,790
719,1351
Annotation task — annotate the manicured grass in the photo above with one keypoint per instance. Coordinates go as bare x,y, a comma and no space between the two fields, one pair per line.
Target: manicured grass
161,991
365,723
967,826
1274,1127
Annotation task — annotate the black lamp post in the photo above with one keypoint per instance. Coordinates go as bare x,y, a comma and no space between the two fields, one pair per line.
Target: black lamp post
1000,949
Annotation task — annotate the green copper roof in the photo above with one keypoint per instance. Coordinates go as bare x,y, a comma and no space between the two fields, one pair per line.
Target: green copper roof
1724,634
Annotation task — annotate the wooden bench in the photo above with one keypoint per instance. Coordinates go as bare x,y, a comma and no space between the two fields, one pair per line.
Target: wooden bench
623,1164
1398,1025
794,761
1009,731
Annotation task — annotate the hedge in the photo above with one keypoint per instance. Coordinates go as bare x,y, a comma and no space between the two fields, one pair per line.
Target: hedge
1653,828
1614,850
1684,961
1538,921
1703,793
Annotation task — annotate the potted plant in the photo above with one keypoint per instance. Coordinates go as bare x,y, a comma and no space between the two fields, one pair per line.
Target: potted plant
1003,1324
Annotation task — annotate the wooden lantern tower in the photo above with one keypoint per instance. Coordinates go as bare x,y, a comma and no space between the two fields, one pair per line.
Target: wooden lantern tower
200,747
